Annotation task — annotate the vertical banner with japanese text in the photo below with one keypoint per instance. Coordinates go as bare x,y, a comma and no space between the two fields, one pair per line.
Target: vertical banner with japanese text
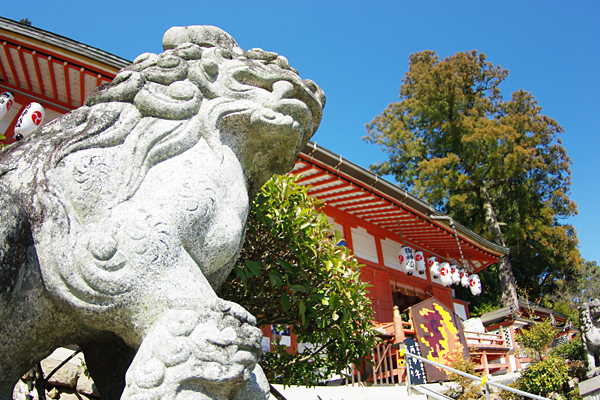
417,370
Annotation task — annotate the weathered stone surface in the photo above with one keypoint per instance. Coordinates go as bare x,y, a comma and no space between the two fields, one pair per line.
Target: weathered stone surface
21,391
65,376
66,394
86,386
589,315
590,388
257,386
120,218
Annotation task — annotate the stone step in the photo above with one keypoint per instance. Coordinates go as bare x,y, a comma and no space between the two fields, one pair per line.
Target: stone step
395,392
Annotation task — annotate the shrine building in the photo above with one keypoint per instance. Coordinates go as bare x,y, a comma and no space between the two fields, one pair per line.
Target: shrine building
376,218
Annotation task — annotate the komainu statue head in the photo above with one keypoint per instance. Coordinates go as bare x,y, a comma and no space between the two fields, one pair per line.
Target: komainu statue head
251,101
122,216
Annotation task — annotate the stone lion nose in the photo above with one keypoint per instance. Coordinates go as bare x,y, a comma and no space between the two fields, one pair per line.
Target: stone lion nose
283,89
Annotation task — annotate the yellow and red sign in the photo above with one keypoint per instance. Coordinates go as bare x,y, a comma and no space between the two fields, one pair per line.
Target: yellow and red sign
439,334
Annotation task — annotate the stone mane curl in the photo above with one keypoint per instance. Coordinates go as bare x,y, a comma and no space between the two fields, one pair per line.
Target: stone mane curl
165,103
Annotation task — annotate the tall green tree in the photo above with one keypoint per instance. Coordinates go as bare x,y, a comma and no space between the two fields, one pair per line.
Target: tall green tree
292,273
496,166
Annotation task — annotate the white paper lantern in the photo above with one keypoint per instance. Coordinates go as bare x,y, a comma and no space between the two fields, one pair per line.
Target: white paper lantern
455,274
31,118
420,262
434,267
407,260
464,277
6,102
445,274
475,284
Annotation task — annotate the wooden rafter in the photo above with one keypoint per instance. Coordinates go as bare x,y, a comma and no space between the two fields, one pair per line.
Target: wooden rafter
351,196
82,84
60,58
67,81
49,102
311,177
11,64
391,218
52,77
24,67
3,72
372,203
304,169
345,195
339,185
38,72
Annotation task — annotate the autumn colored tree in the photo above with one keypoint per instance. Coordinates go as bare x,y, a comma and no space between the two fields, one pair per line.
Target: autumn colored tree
495,165
292,273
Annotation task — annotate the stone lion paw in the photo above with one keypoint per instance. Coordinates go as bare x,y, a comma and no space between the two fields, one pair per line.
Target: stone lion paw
190,354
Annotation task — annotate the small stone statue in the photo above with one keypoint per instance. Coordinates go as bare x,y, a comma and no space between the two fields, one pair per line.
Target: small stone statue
589,316
119,219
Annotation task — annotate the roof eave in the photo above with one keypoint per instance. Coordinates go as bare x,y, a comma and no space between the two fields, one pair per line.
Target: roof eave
63,43
348,167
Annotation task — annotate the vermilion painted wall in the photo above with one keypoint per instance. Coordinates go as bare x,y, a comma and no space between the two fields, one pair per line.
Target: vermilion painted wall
376,273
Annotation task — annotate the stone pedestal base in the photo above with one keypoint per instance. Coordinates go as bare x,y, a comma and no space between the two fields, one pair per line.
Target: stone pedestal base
590,389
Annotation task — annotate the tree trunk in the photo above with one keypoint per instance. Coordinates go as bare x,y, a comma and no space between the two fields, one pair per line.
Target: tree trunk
507,279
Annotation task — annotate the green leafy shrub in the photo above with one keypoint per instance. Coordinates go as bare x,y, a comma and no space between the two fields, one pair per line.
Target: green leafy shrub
542,378
574,353
536,340
291,272
465,388
572,350
553,368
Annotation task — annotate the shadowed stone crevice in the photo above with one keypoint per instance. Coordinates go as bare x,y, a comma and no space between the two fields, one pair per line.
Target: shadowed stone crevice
107,360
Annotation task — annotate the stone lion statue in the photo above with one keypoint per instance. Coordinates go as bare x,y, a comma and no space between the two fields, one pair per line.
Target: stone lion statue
119,219
589,316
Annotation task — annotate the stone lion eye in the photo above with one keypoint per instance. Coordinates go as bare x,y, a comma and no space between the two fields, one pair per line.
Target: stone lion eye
189,51
226,54
210,67
311,85
169,61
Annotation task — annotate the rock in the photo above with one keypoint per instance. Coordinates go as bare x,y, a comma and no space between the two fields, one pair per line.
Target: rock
20,392
66,394
573,383
86,385
53,394
473,325
65,376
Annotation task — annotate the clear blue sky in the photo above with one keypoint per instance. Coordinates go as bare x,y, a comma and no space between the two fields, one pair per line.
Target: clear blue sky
358,53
